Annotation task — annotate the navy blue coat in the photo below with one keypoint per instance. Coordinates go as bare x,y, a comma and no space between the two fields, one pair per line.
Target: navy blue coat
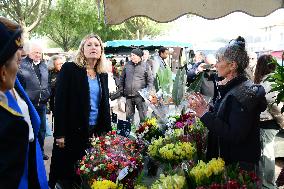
14,139
233,125
34,172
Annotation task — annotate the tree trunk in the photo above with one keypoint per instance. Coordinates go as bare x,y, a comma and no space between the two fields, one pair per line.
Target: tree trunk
25,35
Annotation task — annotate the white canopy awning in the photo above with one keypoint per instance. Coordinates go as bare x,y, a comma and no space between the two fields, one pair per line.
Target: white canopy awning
117,11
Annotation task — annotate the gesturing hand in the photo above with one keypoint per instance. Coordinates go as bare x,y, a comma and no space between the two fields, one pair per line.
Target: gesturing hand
198,104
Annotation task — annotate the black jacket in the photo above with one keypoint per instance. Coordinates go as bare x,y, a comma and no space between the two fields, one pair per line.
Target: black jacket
234,123
52,76
36,88
135,77
72,109
14,138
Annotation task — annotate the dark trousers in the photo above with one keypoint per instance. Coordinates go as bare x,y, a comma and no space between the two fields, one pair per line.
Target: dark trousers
41,110
139,102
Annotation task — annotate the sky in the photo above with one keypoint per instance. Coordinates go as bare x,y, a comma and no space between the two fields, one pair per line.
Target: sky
199,30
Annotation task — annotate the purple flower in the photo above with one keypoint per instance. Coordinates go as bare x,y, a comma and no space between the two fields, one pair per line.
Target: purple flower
113,177
179,125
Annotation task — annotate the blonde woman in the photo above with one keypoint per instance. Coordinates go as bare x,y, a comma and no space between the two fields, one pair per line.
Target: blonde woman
81,110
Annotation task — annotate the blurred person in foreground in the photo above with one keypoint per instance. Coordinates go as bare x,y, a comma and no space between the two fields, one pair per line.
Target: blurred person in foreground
82,110
21,163
271,120
233,124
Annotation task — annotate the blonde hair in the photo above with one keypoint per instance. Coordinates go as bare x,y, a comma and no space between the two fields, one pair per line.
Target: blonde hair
81,61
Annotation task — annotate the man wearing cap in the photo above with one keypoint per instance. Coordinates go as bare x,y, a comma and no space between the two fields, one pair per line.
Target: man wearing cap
135,76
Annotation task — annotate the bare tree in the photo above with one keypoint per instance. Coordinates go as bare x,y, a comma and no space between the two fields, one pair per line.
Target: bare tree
28,13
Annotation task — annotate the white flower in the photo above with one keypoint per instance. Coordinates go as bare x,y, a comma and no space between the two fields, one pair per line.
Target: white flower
95,169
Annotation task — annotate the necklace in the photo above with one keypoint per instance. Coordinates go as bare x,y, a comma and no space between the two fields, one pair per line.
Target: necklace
91,73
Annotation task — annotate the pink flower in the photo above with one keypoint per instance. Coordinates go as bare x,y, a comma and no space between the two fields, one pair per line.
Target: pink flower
179,125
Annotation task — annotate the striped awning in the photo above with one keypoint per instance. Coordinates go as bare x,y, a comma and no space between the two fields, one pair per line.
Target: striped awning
117,11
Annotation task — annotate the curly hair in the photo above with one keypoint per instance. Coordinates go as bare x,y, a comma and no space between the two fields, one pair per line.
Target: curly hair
263,67
81,61
235,52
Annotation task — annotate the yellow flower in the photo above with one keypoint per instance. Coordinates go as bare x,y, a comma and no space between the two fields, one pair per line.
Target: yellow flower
202,171
105,184
172,151
152,121
170,181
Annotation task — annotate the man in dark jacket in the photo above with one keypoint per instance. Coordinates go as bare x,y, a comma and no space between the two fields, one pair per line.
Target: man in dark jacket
33,75
196,67
135,76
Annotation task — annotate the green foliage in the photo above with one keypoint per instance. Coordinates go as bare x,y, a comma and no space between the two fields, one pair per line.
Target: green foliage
139,27
196,85
277,80
70,20
27,13
164,80
179,87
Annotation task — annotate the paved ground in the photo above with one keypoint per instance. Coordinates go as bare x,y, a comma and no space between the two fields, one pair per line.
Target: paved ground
121,115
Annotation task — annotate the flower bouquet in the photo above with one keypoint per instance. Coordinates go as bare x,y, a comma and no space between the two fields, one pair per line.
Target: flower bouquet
193,129
176,181
180,121
215,174
173,148
205,174
105,184
110,156
170,181
148,130
169,96
238,178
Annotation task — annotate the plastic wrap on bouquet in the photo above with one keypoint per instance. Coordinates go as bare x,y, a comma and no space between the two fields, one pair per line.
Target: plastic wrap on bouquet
162,105
157,105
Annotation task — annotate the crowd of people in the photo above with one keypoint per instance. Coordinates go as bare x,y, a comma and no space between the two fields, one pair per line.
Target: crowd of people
234,103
